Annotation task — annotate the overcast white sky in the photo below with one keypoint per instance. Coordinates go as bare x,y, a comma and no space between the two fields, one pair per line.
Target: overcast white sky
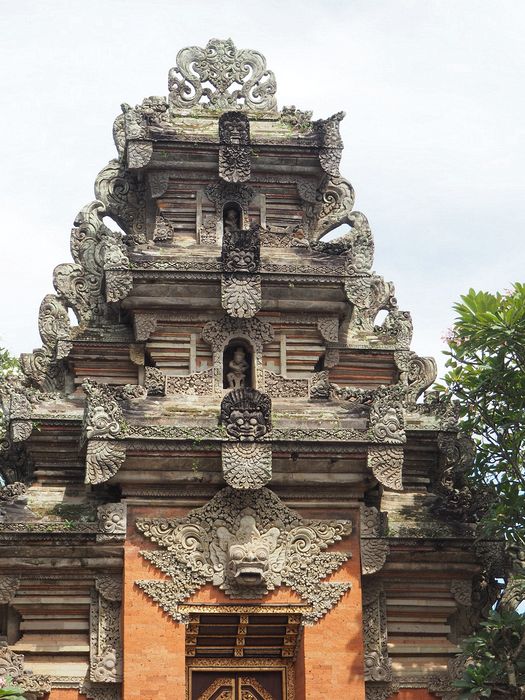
434,133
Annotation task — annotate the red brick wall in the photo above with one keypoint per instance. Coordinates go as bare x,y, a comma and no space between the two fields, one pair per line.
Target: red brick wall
331,659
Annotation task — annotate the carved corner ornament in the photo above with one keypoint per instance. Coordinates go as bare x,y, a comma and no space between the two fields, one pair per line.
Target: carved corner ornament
386,463
417,373
247,543
102,426
13,666
374,548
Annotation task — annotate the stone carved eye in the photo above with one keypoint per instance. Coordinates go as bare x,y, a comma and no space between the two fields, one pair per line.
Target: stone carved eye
236,552
261,553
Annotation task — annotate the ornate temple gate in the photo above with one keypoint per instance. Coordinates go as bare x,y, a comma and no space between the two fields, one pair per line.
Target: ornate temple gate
235,490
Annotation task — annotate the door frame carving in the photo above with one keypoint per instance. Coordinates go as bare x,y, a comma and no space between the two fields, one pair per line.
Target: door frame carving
244,666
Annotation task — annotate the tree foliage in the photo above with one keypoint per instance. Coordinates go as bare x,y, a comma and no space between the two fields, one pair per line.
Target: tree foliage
486,375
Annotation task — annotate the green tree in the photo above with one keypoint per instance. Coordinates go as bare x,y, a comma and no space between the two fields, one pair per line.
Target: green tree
486,375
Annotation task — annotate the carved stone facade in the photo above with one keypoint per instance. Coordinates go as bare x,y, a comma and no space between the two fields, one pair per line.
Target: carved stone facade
229,365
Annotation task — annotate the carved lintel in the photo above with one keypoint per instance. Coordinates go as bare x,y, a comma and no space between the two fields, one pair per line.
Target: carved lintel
111,521
139,153
103,460
246,465
194,384
278,387
386,464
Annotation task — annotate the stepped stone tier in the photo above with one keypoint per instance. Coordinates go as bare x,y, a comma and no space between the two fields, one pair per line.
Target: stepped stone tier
228,480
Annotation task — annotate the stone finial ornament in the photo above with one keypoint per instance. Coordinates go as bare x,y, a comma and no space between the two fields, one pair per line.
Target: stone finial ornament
238,78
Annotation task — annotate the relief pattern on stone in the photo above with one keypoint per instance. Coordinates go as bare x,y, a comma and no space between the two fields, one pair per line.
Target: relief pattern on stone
247,543
12,665
105,660
246,465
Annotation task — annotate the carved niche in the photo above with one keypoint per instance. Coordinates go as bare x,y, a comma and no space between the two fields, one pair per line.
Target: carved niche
238,78
234,147
218,334
247,543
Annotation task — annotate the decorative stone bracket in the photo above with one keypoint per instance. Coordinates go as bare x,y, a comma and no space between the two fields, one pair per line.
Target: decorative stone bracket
374,549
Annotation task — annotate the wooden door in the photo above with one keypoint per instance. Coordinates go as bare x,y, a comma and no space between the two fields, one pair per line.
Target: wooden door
241,685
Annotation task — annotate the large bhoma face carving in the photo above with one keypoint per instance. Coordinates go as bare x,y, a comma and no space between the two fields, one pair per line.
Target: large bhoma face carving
247,543
245,413
247,555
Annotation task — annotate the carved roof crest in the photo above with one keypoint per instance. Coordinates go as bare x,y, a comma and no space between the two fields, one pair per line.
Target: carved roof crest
220,76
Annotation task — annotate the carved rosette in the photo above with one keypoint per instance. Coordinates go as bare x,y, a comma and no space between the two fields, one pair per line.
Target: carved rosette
220,76
112,522
386,464
247,543
246,465
241,295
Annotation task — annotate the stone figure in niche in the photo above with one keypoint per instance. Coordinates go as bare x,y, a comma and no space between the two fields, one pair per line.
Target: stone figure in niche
238,366
231,219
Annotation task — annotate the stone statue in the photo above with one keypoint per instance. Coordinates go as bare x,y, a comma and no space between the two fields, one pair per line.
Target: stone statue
232,221
239,367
